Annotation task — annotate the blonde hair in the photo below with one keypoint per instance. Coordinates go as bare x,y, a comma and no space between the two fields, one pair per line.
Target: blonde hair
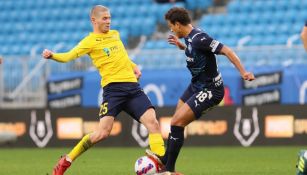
97,9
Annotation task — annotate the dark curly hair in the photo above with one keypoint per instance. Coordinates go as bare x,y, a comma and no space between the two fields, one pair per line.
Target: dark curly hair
177,14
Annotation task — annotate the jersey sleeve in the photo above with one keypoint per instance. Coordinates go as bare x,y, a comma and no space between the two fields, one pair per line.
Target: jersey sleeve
206,43
81,49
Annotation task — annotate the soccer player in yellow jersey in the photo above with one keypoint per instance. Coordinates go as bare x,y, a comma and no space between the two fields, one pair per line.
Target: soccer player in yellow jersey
121,89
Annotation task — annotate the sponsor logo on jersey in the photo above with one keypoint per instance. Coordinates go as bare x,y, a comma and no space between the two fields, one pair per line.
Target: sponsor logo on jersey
106,51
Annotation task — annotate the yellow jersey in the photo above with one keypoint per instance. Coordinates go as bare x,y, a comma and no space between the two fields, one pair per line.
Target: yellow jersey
108,54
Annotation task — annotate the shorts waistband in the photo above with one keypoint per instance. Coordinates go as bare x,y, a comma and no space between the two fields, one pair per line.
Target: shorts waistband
120,84
215,79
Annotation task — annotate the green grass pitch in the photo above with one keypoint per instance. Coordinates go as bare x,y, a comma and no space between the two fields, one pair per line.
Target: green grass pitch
120,161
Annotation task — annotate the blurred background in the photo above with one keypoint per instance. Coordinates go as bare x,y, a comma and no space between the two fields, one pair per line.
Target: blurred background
49,104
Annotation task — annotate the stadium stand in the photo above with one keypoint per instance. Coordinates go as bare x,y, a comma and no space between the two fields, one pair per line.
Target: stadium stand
272,25
29,26
262,32
51,22
198,4
258,19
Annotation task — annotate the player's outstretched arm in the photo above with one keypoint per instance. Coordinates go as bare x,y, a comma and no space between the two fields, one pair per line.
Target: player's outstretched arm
304,36
61,57
235,60
84,47
172,39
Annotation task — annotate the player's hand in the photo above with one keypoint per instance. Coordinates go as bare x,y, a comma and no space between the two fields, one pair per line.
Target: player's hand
47,54
137,72
248,76
0,60
174,40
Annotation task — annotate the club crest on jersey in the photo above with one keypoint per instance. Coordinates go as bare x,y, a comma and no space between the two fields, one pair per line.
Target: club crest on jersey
106,51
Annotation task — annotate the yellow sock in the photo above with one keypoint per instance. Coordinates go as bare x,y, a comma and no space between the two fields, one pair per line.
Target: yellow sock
156,144
81,147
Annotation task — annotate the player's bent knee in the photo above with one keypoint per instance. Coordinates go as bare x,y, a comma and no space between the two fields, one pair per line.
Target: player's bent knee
152,125
149,120
149,116
150,113
103,136
98,136
152,121
177,121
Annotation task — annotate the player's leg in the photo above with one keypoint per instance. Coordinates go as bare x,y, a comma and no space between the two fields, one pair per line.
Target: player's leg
156,143
191,110
185,96
165,157
141,109
179,104
182,117
102,132
110,107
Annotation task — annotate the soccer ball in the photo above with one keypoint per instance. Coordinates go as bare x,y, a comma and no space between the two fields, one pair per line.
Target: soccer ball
145,166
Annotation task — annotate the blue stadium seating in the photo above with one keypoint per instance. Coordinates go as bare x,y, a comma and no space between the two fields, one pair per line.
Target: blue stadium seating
198,4
51,22
31,21
266,19
267,22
